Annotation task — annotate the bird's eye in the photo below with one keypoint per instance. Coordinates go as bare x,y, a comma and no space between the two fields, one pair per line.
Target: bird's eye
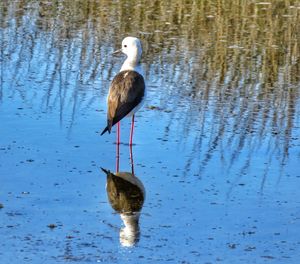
125,46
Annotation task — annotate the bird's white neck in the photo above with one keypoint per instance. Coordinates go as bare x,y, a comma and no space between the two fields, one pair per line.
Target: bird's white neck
132,64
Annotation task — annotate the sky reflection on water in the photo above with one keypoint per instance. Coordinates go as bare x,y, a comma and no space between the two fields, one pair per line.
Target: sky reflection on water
220,126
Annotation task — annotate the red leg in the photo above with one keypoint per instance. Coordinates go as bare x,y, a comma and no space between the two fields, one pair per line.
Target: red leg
118,147
117,157
118,133
131,130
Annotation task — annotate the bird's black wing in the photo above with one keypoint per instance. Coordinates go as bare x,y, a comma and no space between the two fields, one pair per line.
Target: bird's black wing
125,93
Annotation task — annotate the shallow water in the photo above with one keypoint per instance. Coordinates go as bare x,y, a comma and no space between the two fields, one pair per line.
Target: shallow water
217,143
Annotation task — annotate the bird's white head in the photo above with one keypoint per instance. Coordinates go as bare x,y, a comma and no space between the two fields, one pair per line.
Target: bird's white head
132,47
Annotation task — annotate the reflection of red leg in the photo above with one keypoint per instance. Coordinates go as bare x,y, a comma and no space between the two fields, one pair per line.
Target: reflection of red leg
118,133
131,130
117,157
131,160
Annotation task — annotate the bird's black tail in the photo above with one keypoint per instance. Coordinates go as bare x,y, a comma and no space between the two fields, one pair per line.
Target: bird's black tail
108,127
104,130
105,171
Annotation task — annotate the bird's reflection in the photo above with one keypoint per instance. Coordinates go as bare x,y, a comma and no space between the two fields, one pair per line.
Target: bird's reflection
126,194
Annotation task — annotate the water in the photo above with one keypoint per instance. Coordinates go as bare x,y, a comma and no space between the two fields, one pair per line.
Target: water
217,145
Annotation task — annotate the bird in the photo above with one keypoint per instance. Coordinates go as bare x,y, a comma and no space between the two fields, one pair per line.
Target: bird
127,90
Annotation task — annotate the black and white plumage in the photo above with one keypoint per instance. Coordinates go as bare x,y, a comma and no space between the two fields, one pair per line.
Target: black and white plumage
127,90
126,94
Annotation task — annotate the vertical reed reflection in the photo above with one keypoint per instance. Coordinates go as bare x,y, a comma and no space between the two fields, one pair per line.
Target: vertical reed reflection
228,70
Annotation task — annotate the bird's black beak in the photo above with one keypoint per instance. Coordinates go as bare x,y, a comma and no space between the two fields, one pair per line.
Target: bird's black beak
117,52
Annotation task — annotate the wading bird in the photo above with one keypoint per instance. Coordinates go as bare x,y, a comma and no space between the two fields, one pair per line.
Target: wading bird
127,90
